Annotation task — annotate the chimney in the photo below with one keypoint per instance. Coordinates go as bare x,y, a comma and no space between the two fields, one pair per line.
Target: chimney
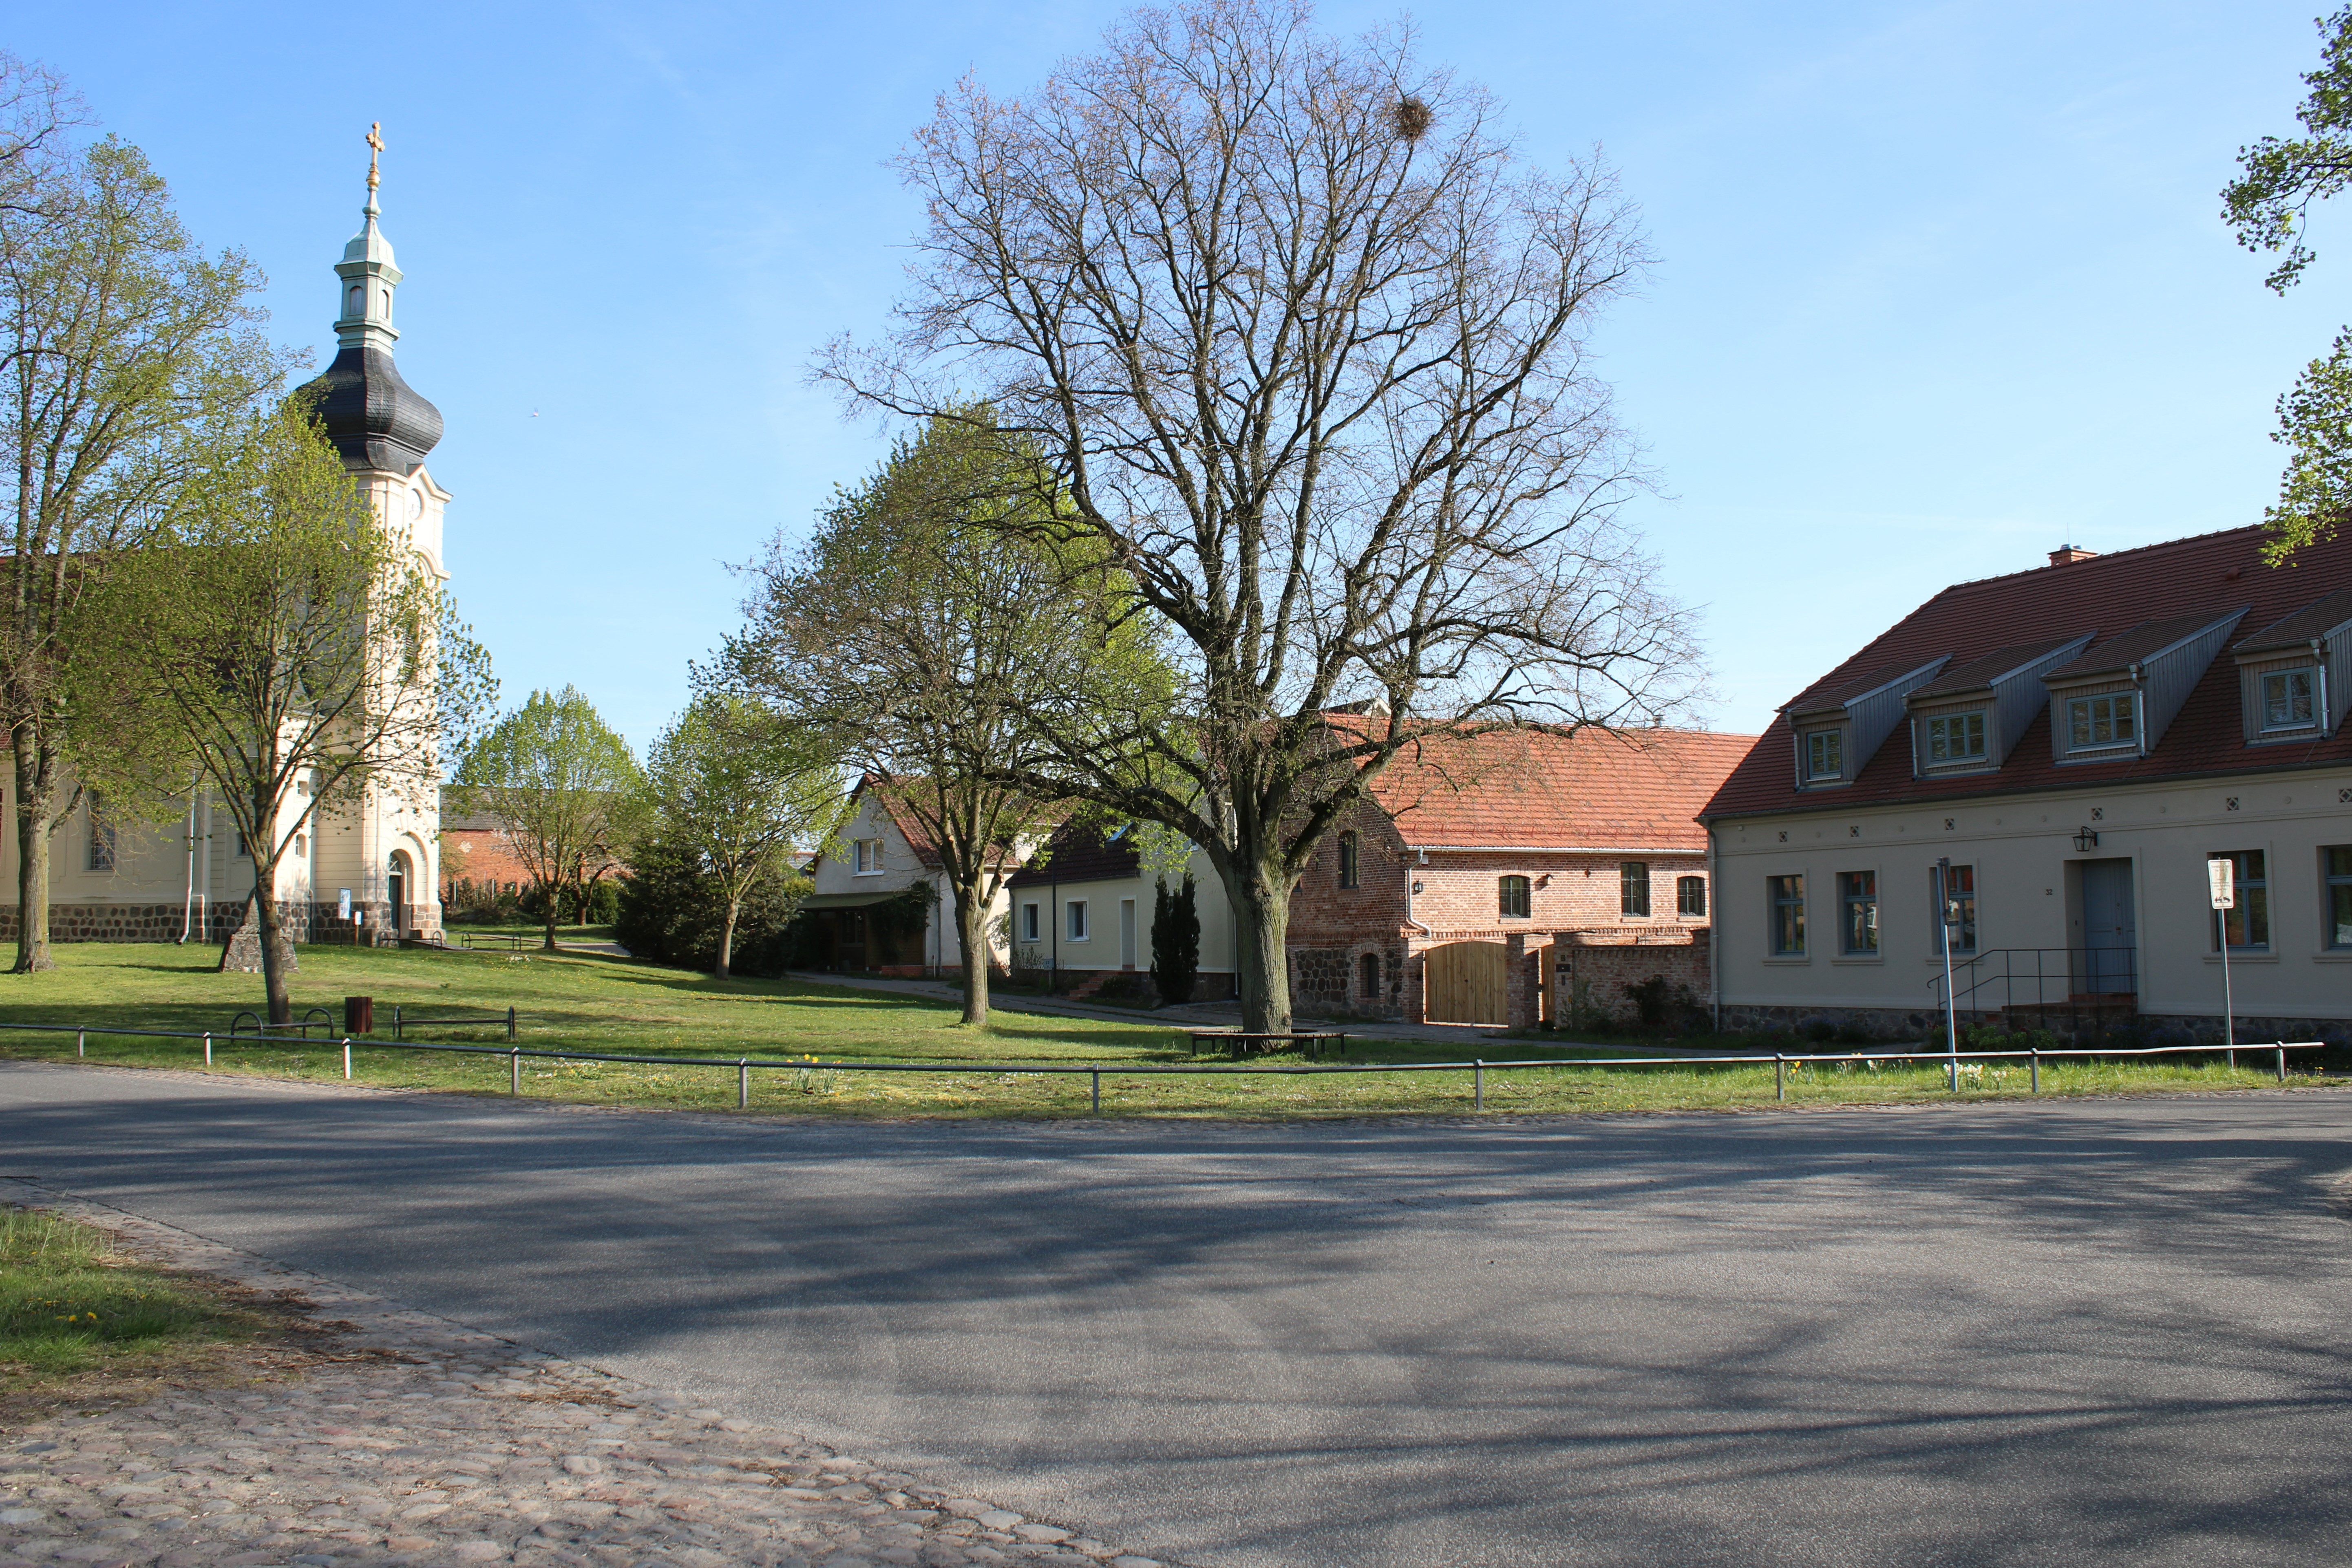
2067,555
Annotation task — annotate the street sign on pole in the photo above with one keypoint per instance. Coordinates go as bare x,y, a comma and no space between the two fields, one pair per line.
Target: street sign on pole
1951,1004
2221,880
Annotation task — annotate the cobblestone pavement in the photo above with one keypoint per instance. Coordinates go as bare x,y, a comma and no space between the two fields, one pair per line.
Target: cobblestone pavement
450,1445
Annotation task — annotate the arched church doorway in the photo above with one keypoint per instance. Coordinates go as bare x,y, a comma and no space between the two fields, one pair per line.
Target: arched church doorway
395,888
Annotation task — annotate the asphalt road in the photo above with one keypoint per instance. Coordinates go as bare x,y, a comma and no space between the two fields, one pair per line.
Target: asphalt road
2105,1331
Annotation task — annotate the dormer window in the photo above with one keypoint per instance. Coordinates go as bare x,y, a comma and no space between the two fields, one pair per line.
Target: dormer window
1824,755
2108,721
2290,699
1956,738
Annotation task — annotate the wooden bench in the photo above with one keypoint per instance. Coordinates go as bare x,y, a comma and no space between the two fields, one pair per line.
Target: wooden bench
1238,1042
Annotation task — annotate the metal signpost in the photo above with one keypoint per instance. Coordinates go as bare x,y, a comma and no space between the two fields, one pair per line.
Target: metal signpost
2220,876
1951,1007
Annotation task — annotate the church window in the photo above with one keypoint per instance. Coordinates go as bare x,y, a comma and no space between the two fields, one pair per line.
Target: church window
102,840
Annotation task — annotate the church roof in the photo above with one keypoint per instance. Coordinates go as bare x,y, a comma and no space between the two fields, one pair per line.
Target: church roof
375,419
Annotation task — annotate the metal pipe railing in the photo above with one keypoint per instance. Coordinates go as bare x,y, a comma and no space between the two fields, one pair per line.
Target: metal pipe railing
1781,1060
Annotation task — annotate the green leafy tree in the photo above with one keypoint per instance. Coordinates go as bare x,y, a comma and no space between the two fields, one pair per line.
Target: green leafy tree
740,789
118,336
279,641
564,790
1175,941
1300,341
925,632
2269,205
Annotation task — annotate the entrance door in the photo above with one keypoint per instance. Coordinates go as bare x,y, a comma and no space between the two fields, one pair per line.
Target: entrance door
396,890
1126,933
1462,982
2110,929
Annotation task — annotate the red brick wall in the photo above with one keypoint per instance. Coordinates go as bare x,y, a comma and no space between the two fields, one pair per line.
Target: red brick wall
1333,929
485,857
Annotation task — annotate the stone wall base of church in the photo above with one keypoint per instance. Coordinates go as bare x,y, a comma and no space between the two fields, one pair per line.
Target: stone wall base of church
128,923
309,923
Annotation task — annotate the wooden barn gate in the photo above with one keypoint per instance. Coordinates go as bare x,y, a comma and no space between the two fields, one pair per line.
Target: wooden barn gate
1466,982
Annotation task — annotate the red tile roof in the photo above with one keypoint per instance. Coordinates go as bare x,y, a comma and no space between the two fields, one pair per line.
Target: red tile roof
1535,788
2192,580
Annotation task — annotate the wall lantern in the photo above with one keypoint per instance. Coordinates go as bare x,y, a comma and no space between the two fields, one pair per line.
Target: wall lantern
2085,839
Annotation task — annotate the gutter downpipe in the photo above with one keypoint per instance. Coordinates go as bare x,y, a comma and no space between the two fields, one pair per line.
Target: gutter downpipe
1409,919
1713,937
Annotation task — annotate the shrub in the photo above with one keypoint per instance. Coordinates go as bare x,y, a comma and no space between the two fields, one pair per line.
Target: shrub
1175,942
668,911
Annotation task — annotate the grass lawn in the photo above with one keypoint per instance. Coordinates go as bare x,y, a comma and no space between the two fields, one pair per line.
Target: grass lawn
590,1002
71,1307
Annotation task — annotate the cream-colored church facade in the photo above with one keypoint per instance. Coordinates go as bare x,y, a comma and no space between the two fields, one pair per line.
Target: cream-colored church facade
193,878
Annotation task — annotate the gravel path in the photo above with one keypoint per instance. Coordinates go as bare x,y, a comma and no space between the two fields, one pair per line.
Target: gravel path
436,1444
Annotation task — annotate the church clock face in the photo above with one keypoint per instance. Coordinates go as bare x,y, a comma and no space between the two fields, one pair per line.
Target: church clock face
415,504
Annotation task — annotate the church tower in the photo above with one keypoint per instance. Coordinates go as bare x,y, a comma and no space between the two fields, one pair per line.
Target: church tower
383,850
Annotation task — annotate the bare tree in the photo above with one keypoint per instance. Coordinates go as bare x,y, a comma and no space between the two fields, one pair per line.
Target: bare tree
117,335
1304,344
925,633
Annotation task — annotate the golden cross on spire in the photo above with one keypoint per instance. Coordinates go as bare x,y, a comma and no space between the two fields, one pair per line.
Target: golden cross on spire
375,145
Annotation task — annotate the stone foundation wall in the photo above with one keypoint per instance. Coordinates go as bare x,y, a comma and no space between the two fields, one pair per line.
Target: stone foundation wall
1897,1025
127,922
164,922
1595,968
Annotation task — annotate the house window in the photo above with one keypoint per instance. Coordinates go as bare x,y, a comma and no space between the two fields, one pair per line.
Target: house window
1858,911
1825,754
1956,738
1690,895
1513,897
1350,870
2111,718
869,856
2337,861
1028,923
2287,700
244,850
1787,900
1075,912
2248,927
1963,891
102,840
1368,974
1633,887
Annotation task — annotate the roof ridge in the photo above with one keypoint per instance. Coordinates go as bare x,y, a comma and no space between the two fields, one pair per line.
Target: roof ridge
2130,551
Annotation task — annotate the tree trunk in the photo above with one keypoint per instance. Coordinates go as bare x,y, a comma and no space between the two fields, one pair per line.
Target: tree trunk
35,787
551,906
274,954
971,932
727,938
1261,901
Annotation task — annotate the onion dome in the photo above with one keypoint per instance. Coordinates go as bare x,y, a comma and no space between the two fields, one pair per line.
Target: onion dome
375,419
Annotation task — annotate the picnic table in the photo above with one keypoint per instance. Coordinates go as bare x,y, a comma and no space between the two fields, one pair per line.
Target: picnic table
1238,1042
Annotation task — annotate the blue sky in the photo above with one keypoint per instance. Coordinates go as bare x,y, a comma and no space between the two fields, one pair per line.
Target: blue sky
1942,286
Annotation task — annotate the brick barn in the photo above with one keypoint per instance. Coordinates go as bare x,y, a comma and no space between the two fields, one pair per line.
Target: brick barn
1483,866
